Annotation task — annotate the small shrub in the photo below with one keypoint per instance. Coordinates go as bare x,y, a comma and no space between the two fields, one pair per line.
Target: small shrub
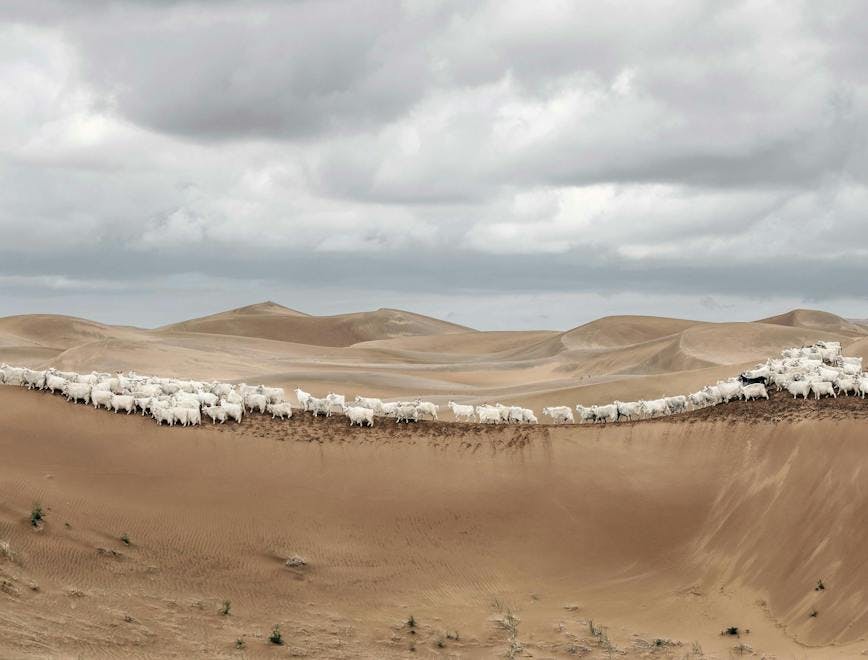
37,516
411,622
240,643
452,635
224,610
820,586
6,551
275,637
441,643
510,624
732,630
813,613
125,538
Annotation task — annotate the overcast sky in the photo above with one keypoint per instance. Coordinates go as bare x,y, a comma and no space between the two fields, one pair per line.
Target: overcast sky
501,164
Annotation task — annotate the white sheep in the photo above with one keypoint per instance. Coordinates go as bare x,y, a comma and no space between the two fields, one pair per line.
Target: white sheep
282,410
461,411
559,414
359,415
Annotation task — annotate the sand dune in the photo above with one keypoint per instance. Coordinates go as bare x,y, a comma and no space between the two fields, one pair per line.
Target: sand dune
271,321
615,357
817,320
671,530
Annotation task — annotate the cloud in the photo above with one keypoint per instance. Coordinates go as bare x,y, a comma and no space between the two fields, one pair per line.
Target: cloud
681,149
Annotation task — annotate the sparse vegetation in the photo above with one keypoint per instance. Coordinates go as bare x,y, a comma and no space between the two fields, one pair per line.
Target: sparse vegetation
696,652
224,609
275,637
37,515
411,622
813,613
441,643
509,623
6,551
240,643
125,538
731,630
820,586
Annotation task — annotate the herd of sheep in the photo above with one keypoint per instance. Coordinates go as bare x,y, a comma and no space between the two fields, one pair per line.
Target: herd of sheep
818,370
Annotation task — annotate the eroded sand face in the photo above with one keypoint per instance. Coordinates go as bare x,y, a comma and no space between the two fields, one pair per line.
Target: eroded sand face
670,530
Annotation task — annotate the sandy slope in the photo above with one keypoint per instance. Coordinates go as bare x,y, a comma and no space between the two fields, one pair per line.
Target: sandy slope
667,530
397,354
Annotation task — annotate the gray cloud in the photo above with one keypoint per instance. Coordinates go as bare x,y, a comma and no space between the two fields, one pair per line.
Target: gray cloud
696,151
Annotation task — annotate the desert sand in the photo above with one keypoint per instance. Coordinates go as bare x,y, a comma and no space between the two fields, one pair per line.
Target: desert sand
645,539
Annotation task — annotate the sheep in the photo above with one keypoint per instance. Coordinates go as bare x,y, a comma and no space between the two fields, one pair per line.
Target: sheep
170,388
77,392
797,387
406,412
697,399
55,383
628,410
461,411
180,415
207,398
559,414
729,390
528,416
233,410
303,398
676,404
194,417
654,408
12,375
216,413
359,415
515,414
390,408
101,398
317,406
336,401
123,402
273,394
608,413
221,389
488,415
373,404
34,380
426,408
586,414
254,401
163,415
819,387
754,391
282,410
847,385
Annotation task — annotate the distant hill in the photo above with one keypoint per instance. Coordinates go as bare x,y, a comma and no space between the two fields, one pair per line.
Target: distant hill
269,320
614,331
816,320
